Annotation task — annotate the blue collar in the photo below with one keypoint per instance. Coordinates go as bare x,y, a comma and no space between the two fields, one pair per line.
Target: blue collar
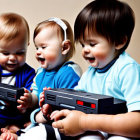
7,74
107,67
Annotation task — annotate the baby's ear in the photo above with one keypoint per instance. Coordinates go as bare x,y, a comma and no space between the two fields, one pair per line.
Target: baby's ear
66,46
121,45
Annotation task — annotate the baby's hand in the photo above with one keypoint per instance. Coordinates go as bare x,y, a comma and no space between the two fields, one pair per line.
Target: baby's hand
7,135
72,124
42,97
54,114
46,110
25,101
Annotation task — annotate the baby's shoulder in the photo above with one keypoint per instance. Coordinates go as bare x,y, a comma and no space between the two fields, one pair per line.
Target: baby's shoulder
71,66
126,61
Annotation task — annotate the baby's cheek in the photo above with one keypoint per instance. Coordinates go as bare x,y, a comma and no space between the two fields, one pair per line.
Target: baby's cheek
100,55
51,57
3,60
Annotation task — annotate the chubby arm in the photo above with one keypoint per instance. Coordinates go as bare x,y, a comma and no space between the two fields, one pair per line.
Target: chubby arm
39,118
45,111
76,122
127,124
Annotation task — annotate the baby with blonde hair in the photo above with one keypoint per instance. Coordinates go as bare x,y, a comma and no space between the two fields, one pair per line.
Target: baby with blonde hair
14,40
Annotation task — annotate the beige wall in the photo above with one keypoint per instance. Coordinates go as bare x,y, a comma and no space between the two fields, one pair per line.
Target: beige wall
36,11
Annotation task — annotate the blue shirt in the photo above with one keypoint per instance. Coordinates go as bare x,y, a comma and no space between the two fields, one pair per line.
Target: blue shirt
66,76
121,80
24,78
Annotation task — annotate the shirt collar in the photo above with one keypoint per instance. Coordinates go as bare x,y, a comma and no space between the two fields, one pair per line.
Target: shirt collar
107,67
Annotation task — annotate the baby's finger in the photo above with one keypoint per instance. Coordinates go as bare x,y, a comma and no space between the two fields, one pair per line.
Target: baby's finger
46,88
22,98
31,89
41,102
62,131
60,114
4,130
19,106
53,114
20,101
26,91
58,124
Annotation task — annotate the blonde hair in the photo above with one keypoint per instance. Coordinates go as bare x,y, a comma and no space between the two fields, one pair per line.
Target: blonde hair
10,26
60,33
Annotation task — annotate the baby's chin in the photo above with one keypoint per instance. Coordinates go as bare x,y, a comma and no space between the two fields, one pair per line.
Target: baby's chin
95,64
47,66
11,68
51,66
43,64
44,67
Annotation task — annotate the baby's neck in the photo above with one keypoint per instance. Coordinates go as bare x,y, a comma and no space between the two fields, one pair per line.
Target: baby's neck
107,67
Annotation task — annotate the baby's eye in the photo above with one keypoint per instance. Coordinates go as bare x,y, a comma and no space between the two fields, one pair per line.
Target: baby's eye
6,53
92,44
43,47
82,45
20,53
40,47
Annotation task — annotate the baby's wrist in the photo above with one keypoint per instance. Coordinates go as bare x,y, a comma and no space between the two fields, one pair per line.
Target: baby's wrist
83,122
33,115
30,103
33,100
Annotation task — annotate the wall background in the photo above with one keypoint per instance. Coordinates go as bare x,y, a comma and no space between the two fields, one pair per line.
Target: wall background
36,11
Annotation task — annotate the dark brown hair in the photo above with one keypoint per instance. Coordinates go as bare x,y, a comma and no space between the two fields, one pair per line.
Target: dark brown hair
111,19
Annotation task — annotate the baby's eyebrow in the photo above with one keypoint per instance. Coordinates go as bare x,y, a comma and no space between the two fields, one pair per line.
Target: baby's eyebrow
38,46
22,50
42,44
1,50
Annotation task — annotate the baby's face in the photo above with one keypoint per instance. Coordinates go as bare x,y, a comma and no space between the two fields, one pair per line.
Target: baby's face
13,53
97,50
49,48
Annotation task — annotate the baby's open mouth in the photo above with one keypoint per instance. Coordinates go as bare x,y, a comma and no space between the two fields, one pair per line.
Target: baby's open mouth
11,65
93,58
90,58
41,59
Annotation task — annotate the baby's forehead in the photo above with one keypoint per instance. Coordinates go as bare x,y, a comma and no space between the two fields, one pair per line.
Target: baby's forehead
88,34
47,32
51,31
